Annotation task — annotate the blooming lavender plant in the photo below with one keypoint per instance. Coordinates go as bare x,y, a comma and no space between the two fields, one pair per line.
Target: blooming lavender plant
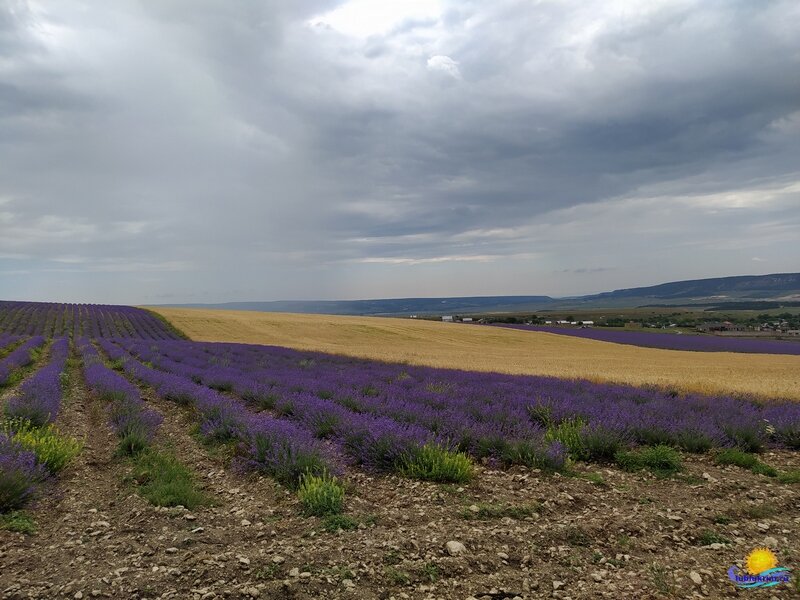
20,474
19,357
378,414
39,398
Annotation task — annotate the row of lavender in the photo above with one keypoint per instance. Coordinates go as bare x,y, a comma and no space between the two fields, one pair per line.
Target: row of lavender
134,424
519,419
31,450
271,446
39,398
7,341
21,356
370,429
82,320
668,341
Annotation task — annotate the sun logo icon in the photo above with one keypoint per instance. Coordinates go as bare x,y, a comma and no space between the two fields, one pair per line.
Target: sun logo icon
762,570
760,560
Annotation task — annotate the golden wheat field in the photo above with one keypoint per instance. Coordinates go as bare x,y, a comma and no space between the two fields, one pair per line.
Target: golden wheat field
481,348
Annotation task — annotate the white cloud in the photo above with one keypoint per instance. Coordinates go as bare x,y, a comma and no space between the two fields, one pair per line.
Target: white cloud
364,18
444,64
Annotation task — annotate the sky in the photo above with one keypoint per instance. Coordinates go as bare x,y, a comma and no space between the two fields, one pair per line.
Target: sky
171,151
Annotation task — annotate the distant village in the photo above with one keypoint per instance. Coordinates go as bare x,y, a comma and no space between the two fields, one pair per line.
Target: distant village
770,327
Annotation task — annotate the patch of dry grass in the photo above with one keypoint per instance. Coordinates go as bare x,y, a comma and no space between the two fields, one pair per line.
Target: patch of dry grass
480,348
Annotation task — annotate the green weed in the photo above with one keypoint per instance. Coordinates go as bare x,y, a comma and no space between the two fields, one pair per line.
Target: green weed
790,476
708,537
320,495
334,523
434,463
488,511
745,460
164,481
51,448
18,521
662,460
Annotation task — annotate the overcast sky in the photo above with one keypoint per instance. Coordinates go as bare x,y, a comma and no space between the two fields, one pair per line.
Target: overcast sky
202,151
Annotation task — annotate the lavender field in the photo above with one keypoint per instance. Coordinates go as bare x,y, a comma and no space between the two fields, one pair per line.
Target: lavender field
331,430
51,319
667,341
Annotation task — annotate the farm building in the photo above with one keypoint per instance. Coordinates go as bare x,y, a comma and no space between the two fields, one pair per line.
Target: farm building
447,318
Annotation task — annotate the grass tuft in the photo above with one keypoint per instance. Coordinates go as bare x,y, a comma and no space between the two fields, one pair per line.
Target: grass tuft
487,511
18,521
320,495
434,463
708,537
745,460
790,476
164,481
334,523
663,461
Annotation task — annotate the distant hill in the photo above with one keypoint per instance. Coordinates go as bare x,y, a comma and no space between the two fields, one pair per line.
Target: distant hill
390,306
719,291
744,286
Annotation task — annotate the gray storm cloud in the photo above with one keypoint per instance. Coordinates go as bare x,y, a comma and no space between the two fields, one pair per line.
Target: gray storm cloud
176,150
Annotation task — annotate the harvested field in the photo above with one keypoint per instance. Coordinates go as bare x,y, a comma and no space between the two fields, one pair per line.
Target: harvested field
498,349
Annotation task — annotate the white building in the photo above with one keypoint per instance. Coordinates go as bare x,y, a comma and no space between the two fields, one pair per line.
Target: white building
447,318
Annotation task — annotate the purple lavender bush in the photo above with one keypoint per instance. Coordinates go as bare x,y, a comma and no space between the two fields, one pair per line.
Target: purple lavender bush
39,398
282,450
20,474
20,357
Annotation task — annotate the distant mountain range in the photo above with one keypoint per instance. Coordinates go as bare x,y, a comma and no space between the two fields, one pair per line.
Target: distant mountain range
703,292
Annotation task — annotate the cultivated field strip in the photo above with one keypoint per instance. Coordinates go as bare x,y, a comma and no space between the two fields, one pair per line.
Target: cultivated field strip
81,320
23,355
498,350
670,341
32,451
378,412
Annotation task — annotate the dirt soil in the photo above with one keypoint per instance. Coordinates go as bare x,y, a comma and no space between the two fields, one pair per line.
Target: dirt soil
630,535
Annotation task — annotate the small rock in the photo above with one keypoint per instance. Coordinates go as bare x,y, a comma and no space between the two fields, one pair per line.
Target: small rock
770,542
763,526
695,577
503,555
474,508
305,575
243,560
348,583
78,595
455,548
709,478
189,517
295,572
245,523
557,585
172,550
278,559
